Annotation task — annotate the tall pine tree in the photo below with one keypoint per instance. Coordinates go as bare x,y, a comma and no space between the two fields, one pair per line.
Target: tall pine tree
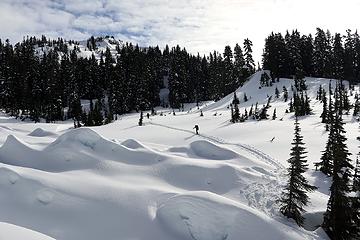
338,218
295,196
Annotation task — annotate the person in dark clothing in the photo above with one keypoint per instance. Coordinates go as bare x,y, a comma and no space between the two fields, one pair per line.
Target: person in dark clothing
196,129
148,115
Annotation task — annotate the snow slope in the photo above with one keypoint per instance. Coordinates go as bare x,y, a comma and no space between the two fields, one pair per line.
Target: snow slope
83,51
13,232
161,181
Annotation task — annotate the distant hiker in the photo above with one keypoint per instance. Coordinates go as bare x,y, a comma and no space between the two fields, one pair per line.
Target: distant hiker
148,115
272,139
196,129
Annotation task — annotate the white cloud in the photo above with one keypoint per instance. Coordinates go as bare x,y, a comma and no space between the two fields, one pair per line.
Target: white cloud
199,25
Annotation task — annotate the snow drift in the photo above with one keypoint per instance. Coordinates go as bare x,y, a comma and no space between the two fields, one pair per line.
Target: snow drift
206,216
39,132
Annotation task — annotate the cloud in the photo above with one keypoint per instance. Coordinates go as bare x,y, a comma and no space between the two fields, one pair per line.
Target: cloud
198,25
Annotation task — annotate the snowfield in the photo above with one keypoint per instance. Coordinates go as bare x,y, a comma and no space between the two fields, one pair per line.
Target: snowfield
161,181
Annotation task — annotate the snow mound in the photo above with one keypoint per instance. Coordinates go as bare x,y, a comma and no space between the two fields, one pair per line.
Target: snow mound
207,216
132,144
209,150
80,136
74,150
13,232
45,196
39,132
17,153
103,149
12,143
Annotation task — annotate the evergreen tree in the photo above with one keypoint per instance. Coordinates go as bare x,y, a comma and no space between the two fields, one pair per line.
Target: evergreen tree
356,180
97,115
307,107
245,98
291,106
262,114
300,83
235,114
294,198
275,56
330,116
75,110
307,52
349,56
338,58
322,54
264,80
249,61
141,119
324,113
235,99
239,64
319,93
277,93
356,55
251,110
285,94
228,77
274,114
338,218
327,159
356,107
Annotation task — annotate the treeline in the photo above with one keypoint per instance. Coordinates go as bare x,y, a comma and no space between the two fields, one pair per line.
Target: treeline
325,55
41,78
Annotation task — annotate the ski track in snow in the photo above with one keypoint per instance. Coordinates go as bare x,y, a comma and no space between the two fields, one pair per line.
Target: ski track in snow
262,196
252,150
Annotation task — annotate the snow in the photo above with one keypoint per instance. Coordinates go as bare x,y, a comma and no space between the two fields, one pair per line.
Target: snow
209,150
13,232
185,214
161,180
101,44
39,132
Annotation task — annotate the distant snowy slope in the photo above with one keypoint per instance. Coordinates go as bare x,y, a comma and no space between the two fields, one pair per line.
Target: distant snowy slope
102,43
257,94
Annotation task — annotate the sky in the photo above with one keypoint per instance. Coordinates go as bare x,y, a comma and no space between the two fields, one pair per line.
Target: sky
199,25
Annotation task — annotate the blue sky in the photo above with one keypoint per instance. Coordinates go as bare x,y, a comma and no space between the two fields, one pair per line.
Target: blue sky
199,25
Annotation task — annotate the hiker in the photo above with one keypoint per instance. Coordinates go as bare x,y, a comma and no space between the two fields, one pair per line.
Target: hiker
148,115
196,129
